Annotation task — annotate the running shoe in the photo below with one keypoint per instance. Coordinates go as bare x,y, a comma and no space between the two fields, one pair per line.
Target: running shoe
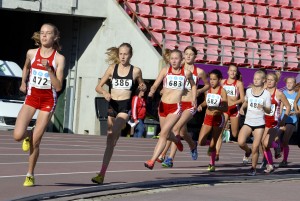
149,164
160,159
98,179
29,181
252,172
283,164
217,157
263,163
26,144
194,152
211,168
178,143
246,158
168,163
270,169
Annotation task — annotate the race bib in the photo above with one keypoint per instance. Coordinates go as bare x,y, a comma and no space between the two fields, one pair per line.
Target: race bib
121,83
272,110
254,102
188,84
213,99
175,82
230,90
291,102
40,79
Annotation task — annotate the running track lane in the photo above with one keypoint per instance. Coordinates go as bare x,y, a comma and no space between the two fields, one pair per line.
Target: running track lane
68,161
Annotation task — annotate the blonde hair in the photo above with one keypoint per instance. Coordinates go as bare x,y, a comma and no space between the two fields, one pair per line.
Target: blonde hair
262,73
56,44
274,75
167,55
113,53
285,79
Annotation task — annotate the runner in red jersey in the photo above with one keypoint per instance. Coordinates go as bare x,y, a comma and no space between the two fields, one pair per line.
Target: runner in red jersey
235,95
174,80
180,127
45,67
216,102
273,121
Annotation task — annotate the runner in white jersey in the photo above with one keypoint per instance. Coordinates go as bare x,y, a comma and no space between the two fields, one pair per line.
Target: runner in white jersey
188,110
257,102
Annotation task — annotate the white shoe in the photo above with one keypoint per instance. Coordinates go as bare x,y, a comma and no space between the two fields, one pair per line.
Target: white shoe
270,168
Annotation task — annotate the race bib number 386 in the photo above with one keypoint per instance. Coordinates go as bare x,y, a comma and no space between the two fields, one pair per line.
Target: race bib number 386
40,79
122,83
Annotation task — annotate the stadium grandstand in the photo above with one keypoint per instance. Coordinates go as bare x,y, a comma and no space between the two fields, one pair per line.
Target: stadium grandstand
251,34
247,33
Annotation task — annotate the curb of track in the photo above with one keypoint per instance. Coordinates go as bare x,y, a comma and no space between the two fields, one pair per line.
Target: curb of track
104,190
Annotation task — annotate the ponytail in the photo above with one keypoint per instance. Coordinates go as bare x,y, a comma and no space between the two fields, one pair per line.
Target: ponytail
112,55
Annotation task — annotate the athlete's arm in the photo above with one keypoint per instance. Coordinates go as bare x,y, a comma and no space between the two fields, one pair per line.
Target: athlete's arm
202,75
57,77
139,77
203,104
189,76
240,86
297,110
26,70
267,106
157,82
286,103
244,106
104,79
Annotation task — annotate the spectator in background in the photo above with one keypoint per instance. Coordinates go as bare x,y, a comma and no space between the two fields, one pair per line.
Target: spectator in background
138,113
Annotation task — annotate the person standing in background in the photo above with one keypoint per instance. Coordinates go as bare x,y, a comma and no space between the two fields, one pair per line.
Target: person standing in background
138,113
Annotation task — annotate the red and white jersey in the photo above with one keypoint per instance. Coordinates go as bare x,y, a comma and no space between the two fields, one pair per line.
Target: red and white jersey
39,83
231,89
195,78
174,81
213,99
138,108
275,108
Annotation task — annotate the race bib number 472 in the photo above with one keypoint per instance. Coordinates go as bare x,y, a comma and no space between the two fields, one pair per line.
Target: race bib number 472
40,79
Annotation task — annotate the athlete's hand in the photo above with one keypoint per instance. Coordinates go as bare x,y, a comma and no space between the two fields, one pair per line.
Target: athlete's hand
260,107
242,112
194,104
23,88
107,96
199,108
142,87
45,63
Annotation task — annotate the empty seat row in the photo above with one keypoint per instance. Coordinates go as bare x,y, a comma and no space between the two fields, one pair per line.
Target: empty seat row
219,5
213,31
217,19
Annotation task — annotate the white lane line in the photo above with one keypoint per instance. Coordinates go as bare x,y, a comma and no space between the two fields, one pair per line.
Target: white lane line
118,171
